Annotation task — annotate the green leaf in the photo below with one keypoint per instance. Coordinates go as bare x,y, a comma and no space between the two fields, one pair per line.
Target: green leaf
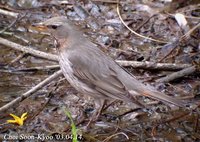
73,126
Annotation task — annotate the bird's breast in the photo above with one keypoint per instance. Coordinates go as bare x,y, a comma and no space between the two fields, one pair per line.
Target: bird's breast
67,69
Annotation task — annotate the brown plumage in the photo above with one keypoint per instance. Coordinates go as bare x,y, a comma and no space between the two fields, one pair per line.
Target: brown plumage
91,71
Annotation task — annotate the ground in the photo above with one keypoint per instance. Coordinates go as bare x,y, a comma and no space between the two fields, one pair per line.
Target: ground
100,21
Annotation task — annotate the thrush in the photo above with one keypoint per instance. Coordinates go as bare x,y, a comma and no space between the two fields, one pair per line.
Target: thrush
90,71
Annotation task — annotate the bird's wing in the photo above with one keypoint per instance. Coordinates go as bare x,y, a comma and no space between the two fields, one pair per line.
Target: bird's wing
93,68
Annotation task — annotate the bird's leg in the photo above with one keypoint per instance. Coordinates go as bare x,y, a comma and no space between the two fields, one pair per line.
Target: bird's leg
99,107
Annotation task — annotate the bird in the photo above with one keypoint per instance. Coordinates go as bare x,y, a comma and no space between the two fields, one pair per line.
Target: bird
91,71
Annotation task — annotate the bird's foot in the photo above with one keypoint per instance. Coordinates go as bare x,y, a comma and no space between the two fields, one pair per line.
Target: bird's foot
96,114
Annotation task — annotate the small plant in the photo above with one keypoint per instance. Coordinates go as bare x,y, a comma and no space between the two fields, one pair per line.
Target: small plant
73,126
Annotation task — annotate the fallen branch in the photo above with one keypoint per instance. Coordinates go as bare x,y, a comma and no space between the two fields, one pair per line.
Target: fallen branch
18,58
16,36
9,13
106,1
28,50
134,64
153,66
177,75
33,69
31,91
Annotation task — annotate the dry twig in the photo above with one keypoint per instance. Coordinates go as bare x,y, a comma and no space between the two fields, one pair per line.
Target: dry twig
9,13
38,68
19,17
28,50
31,91
18,58
120,133
152,65
179,74
120,17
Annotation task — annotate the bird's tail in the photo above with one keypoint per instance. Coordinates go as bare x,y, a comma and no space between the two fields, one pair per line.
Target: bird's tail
154,94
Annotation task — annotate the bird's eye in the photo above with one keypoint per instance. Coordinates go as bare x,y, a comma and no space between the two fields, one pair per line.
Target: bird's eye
53,26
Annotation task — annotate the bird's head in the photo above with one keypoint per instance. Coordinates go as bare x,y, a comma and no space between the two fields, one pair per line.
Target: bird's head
59,27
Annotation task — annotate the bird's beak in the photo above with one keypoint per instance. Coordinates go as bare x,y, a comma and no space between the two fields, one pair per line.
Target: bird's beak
39,27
